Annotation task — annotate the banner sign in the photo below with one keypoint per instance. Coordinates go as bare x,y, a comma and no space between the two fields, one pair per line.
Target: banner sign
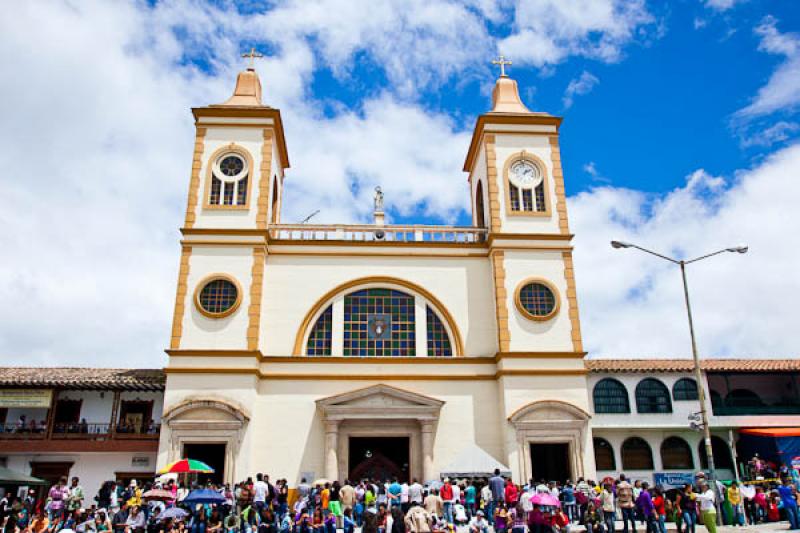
32,398
673,480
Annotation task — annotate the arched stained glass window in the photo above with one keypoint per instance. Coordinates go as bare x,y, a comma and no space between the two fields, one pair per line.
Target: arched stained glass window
438,339
652,396
676,453
604,455
684,389
319,340
636,454
379,322
611,396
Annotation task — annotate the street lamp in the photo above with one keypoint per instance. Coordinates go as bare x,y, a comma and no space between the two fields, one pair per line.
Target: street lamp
741,249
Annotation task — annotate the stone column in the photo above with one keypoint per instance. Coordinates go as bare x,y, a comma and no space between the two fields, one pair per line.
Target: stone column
332,449
426,427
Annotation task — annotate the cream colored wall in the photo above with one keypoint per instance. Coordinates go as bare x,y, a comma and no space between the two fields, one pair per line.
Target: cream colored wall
538,145
251,139
290,436
528,335
201,332
293,284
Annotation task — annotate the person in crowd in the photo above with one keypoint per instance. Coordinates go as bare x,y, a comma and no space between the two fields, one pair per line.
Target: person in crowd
478,523
136,521
500,518
607,507
737,504
348,524
646,508
497,486
708,508
626,503
788,496
58,494
660,503
592,520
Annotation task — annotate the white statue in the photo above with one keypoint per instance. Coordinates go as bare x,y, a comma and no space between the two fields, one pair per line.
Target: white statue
378,200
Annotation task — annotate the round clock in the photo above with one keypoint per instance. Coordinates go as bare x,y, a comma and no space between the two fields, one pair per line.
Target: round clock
525,174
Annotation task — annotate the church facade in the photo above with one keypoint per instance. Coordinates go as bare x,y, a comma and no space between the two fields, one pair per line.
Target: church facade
342,351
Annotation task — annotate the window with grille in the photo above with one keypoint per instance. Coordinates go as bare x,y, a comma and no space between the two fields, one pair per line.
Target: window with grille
438,339
537,300
319,340
611,396
525,181
676,453
684,389
379,322
652,396
636,454
218,297
604,455
229,180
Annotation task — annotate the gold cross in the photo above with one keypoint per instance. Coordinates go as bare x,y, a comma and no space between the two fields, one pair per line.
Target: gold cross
502,61
252,54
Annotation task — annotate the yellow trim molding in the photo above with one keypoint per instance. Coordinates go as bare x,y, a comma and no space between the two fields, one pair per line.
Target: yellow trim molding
572,300
500,297
180,298
372,377
507,184
524,312
194,180
501,118
558,179
384,280
256,287
264,180
251,173
495,223
208,279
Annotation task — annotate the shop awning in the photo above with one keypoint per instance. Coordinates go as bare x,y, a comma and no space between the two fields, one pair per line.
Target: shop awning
12,477
772,432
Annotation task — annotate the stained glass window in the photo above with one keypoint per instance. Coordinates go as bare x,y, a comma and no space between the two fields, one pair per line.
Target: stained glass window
363,309
231,165
527,200
611,396
218,296
540,197
241,191
227,192
652,396
537,299
319,340
514,194
438,339
216,186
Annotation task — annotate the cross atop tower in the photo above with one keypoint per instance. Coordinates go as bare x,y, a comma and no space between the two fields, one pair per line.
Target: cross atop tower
502,61
252,54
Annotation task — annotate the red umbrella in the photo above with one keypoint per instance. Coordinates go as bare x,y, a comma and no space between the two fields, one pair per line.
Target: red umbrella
545,498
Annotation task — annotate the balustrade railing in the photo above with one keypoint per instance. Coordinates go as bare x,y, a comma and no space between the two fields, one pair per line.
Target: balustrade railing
372,233
79,430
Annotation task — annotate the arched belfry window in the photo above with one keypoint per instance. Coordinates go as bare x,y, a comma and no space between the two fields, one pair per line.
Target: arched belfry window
610,396
380,321
480,215
526,184
229,178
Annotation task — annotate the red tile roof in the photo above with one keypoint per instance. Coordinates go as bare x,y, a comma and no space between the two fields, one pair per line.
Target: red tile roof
83,378
687,365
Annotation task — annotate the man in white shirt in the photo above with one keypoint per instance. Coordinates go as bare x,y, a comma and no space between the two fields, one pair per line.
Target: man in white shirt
404,497
479,524
525,500
415,492
260,490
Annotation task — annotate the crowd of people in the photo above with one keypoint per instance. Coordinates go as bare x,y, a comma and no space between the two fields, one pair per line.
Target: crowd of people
488,505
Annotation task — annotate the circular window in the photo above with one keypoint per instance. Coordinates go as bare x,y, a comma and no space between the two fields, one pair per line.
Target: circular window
218,296
231,166
537,300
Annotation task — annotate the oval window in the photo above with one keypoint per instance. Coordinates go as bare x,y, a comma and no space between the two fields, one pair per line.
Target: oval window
218,297
537,300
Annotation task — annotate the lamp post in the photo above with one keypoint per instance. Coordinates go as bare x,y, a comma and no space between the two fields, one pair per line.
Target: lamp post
701,395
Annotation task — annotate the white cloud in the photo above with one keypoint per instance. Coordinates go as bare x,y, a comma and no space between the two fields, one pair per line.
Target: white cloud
632,303
782,91
579,86
548,31
777,133
722,5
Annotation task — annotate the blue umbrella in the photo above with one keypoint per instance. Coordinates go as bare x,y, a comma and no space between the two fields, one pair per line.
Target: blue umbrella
203,496
173,512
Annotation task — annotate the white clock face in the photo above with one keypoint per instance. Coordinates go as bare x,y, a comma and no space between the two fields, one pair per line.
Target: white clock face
525,174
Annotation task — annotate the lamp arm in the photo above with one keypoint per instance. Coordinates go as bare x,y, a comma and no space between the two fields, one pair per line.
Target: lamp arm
651,252
706,256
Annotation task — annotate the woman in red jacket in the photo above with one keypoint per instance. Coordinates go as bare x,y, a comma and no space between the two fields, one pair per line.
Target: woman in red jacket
512,494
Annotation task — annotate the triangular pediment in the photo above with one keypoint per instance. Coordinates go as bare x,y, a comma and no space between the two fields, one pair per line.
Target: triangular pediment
380,396
380,402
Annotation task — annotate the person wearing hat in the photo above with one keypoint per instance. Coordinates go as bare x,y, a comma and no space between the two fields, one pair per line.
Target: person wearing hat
478,523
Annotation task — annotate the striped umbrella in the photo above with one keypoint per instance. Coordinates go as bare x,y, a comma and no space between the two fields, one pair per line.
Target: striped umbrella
187,466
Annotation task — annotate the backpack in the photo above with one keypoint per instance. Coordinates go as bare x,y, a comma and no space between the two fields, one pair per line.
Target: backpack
581,498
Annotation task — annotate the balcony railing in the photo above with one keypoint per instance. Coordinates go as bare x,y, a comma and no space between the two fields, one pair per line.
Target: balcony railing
372,233
80,431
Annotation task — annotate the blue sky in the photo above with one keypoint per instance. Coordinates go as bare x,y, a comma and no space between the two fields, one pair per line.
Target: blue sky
680,133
